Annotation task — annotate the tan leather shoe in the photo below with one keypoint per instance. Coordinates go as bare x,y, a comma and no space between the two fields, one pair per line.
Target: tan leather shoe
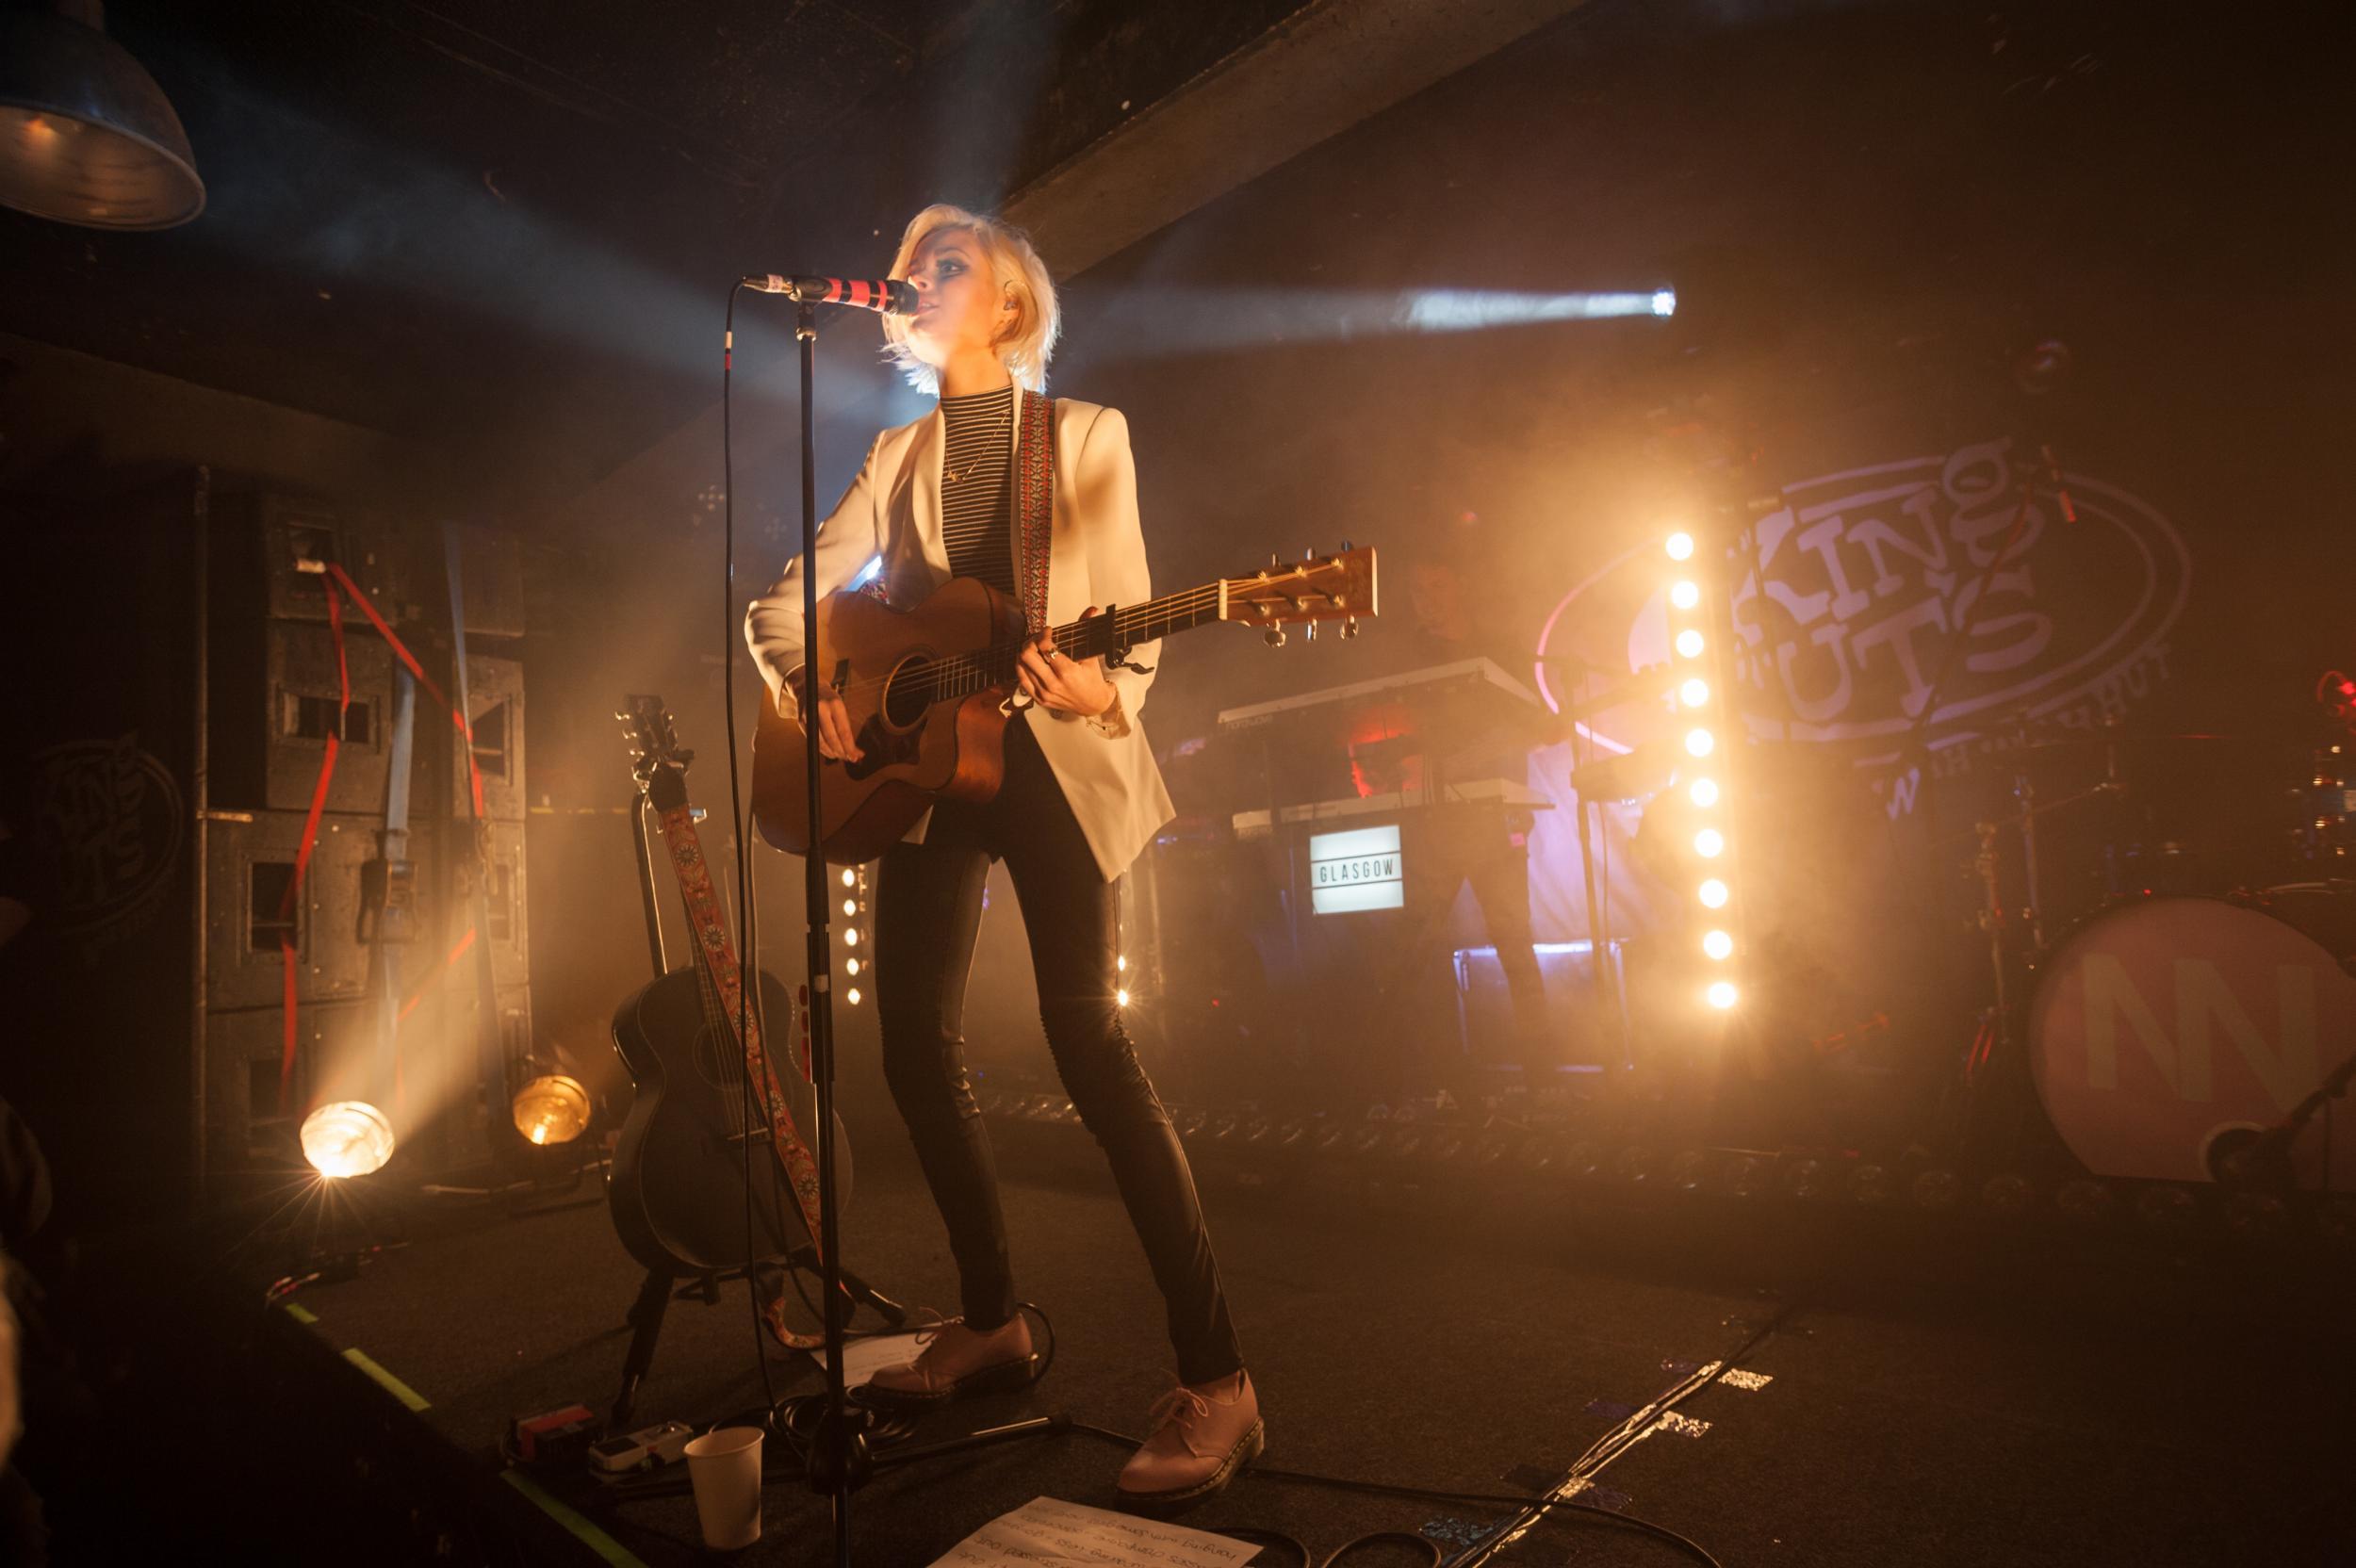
955,1363
1205,1432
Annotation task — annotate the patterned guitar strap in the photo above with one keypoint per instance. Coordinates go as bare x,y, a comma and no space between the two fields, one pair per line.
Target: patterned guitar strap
1035,503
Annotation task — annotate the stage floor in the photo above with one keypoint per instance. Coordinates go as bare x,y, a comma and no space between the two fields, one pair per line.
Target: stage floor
1934,1396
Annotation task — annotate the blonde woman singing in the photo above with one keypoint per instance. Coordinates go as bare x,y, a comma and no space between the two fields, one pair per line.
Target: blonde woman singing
1082,796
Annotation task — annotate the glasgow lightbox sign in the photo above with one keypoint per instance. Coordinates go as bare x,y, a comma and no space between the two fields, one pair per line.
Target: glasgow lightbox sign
1356,869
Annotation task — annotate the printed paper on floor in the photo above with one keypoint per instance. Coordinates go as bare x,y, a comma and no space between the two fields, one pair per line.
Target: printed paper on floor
1046,1532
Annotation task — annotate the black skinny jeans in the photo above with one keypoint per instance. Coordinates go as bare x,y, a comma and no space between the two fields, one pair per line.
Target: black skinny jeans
928,911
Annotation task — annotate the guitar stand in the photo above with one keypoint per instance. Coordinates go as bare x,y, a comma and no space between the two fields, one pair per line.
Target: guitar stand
660,1288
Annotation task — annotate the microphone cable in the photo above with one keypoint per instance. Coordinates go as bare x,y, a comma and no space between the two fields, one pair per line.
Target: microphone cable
748,960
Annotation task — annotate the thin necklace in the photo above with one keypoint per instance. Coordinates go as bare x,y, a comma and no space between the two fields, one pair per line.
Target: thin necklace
951,476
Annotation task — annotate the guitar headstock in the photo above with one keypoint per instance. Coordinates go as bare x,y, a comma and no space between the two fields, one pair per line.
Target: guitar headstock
657,761
1320,587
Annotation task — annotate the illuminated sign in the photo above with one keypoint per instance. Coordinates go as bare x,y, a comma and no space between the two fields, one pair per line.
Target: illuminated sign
1357,870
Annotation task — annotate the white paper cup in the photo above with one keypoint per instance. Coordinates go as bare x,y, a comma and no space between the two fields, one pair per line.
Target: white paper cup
723,1466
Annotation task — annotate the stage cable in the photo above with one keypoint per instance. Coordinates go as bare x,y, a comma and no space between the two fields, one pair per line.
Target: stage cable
748,956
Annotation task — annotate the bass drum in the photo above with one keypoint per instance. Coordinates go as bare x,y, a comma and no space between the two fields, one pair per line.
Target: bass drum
2160,1024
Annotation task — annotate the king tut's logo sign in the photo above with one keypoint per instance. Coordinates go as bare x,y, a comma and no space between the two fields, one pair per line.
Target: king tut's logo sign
1930,597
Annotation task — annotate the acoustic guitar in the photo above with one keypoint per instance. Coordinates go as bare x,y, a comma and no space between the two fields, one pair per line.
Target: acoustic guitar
677,1187
928,690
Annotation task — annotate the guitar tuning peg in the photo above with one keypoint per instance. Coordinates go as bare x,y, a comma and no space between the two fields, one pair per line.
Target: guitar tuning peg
1274,636
1345,546
1309,633
1273,560
1350,629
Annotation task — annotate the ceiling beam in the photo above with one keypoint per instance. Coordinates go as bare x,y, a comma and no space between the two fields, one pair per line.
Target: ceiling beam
1314,74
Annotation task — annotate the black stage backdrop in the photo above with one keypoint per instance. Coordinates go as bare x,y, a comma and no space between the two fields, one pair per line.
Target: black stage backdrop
1913,248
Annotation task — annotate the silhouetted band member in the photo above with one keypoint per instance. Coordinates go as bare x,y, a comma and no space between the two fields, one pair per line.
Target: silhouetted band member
1082,798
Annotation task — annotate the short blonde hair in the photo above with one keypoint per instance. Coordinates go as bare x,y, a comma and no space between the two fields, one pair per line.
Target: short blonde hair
1016,266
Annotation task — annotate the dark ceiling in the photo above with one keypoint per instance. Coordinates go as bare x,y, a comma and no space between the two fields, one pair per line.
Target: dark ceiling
483,222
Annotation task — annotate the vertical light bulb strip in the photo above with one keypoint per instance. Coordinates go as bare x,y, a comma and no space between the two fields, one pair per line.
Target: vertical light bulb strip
858,940
1708,727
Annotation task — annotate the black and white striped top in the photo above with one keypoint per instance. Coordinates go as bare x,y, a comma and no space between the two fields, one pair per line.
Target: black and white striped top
976,479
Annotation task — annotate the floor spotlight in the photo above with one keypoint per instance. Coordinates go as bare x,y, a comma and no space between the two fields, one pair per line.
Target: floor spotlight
2084,1201
1805,1179
2007,1194
347,1137
2165,1208
1937,1189
1743,1177
552,1108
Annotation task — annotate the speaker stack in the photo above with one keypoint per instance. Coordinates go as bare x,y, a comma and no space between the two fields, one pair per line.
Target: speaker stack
382,999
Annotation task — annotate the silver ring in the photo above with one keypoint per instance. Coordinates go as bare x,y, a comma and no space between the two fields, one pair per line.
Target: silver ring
1052,652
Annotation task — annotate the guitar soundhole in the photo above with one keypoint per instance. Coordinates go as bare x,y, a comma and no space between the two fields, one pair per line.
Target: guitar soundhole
908,694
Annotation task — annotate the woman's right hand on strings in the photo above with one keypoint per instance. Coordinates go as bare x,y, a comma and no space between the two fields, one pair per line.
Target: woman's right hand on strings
834,736
832,731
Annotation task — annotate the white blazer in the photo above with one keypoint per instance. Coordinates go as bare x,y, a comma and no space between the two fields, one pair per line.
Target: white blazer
1097,558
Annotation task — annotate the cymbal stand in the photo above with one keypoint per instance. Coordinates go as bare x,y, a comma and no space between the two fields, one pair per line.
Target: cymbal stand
1998,1050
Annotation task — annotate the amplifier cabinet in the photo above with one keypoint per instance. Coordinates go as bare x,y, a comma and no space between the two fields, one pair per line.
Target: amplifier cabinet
495,714
249,859
276,701
270,552
507,905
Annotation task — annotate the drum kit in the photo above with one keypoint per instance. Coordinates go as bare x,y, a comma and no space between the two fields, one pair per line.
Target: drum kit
2184,1011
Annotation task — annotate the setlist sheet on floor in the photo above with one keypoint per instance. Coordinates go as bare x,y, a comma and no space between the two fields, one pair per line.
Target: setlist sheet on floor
1049,1533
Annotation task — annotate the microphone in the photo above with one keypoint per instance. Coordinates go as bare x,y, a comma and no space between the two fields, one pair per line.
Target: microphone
891,296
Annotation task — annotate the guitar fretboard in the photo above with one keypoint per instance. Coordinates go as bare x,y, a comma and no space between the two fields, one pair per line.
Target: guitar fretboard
1126,626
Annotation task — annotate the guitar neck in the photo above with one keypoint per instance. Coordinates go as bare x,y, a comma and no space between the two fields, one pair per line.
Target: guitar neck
1124,626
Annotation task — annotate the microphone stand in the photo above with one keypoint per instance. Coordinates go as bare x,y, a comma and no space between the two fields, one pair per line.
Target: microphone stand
839,1459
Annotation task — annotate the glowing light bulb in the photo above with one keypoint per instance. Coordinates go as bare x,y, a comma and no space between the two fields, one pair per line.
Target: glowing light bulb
1709,844
1121,997
552,1108
1704,792
1680,546
1718,944
1713,893
1690,643
850,938
1722,994
1121,963
850,966
1698,741
851,996
1693,692
850,907
1685,594
347,1137
850,879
